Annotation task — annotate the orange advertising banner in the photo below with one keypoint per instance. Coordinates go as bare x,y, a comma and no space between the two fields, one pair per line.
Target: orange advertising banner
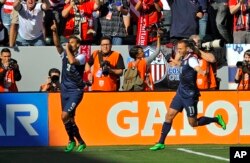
126,118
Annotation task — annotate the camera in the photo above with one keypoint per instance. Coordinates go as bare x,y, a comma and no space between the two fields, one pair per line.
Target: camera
54,79
77,2
118,3
202,45
211,44
244,65
105,67
54,85
153,28
88,83
11,64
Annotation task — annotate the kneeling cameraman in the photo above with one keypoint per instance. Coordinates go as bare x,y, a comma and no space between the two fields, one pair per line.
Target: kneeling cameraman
52,84
9,72
243,71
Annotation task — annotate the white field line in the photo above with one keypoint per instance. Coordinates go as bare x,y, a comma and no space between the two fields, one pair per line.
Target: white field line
203,154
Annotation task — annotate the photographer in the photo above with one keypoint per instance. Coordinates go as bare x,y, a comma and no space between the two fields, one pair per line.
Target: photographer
206,59
243,72
52,84
9,72
107,67
143,64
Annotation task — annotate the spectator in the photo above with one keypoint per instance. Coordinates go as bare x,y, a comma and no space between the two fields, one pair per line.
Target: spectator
71,87
5,12
150,14
185,15
79,19
242,76
13,28
126,18
107,66
53,83
112,20
219,11
166,21
54,13
9,72
30,32
4,38
240,9
204,20
97,27
143,64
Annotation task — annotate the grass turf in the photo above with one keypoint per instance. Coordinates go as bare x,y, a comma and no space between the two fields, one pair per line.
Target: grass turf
114,154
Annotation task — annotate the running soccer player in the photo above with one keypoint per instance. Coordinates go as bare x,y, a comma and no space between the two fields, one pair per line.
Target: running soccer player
187,94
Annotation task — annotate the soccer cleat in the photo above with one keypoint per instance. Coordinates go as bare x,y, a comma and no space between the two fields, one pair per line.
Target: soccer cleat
70,147
221,122
157,146
81,147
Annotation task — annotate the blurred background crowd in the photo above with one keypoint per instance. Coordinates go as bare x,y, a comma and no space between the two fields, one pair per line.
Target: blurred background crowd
210,24
128,22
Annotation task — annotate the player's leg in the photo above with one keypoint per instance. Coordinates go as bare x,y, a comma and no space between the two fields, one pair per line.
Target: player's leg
76,134
191,109
68,127
75,99
166,127
67,122
201,121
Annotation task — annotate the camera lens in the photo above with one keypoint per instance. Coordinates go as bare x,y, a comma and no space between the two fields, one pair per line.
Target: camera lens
54,78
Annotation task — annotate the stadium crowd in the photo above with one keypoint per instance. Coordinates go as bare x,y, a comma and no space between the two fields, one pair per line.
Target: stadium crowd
125,21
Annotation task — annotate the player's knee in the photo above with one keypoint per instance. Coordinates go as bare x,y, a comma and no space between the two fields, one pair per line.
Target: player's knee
64,117
193,124
169,118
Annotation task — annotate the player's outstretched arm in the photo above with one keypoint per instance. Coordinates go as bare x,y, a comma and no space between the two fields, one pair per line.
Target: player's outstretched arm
56,39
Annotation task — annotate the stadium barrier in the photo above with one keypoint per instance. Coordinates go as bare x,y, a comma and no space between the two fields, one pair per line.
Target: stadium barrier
121,118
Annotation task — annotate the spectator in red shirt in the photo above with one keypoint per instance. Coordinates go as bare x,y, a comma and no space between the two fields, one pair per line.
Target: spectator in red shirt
241,23
150,13
79,20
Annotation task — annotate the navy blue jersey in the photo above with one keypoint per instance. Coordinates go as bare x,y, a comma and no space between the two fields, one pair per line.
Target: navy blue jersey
187,87
72,74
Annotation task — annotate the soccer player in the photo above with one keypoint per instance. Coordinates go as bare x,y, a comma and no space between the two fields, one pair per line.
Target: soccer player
187,94
72,86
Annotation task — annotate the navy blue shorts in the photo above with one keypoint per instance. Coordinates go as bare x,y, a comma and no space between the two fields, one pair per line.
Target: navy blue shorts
190,105
70,101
